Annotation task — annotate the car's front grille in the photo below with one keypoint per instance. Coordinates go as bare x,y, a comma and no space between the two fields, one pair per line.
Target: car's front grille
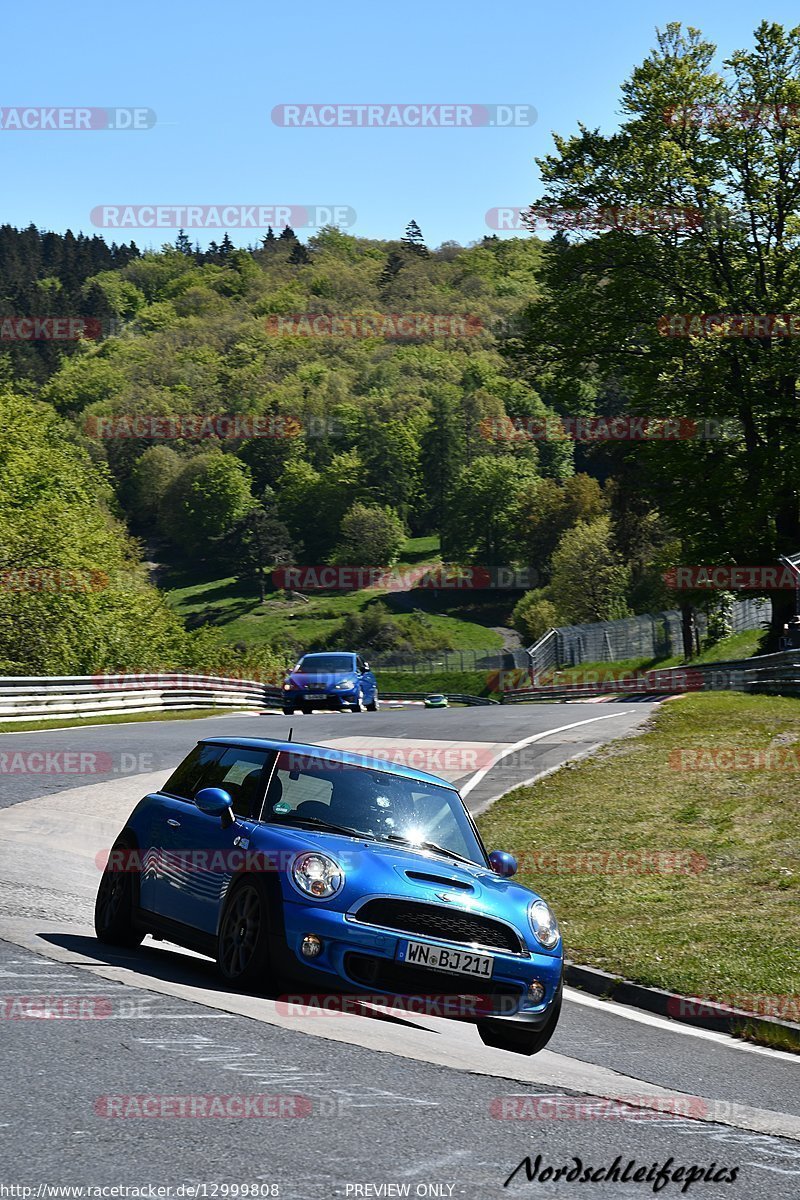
435,921
384,975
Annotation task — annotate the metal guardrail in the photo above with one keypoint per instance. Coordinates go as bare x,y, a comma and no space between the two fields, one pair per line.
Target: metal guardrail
41,697
778,674
44,697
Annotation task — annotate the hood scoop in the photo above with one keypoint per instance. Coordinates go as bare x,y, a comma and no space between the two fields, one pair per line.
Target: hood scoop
439,880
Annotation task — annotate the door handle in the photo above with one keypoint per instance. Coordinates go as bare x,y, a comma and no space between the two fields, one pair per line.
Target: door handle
173,824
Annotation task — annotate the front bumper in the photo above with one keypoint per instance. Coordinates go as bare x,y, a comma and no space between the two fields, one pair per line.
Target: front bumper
329,699
363,959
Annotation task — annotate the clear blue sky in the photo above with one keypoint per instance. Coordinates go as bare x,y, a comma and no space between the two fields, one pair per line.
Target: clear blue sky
213,72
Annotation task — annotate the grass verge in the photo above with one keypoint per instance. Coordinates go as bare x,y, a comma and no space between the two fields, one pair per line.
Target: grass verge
472,683
184,714
726,923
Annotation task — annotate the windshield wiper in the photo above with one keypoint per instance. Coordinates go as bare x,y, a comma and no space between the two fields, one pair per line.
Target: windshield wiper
396,837
320,824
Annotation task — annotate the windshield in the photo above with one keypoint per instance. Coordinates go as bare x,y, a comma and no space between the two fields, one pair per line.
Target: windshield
319,792
324,664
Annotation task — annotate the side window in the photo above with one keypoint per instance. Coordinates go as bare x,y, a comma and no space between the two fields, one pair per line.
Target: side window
184,781
298,786
239,771
360,663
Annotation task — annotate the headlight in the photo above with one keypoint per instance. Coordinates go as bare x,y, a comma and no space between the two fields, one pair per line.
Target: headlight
345,685
317,875
544,925
287,687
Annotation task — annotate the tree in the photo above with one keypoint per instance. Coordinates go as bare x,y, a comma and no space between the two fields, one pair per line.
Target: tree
720,154
268,239
391,269
287,234
299,255
312,503
441,453
390,452
371,535
255,542
205,501
414,241
73,597
183,244
547,509
589,579
533,615
479,524
150,479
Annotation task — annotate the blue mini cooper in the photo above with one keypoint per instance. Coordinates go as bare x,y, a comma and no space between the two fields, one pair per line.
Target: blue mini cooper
297,863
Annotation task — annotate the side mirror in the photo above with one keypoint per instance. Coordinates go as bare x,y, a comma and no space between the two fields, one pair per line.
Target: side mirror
366,666
503,863
214,802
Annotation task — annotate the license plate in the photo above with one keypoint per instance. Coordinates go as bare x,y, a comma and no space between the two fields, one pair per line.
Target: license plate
441,958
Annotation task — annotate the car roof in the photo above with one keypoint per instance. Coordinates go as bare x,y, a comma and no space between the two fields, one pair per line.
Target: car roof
340,756
330,654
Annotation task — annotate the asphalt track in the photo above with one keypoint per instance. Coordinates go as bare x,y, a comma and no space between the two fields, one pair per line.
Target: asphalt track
387,1102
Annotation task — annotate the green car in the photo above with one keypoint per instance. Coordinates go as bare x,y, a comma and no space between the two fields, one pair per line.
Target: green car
436,700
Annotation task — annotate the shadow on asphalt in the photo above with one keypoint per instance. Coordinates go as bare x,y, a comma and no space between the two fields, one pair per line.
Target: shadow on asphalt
152,961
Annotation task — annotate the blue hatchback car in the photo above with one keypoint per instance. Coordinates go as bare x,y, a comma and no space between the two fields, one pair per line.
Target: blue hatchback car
341,681
293,863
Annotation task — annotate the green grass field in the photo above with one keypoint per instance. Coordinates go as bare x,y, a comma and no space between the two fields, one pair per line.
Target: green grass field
458,621
727,923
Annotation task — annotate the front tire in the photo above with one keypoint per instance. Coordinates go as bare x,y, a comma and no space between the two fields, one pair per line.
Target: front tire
118,897
518,1039
243,953
288,712
359,706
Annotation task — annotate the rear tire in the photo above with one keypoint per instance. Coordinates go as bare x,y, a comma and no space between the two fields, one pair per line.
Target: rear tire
243,952
288,712
518,1039
373,705
118,898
